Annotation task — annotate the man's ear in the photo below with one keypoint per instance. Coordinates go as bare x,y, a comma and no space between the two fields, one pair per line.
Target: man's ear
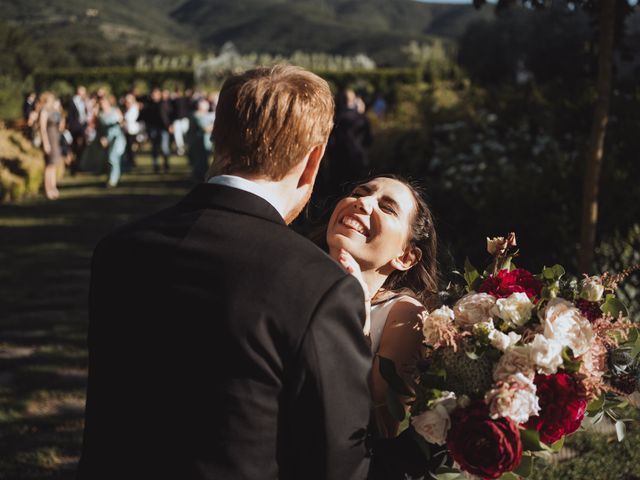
408,259
312,165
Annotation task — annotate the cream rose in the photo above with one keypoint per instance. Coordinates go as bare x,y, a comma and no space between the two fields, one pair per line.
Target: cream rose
546,354
434,424
473,308
515,309
592,289
514,398
514,360
565,324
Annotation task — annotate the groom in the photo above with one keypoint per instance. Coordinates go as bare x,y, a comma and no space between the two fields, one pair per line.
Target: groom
222,345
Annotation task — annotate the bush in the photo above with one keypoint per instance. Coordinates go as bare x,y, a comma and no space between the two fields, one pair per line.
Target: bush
21,167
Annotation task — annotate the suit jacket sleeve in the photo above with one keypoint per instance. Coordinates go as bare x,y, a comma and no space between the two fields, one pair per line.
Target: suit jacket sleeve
338,362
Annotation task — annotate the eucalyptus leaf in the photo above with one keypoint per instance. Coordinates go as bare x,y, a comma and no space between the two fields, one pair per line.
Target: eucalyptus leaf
395,406
445,473
526,466
388,372
621,430
614,307
595,405
509,476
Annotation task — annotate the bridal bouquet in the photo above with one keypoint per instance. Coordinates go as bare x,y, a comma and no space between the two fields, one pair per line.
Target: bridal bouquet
516,361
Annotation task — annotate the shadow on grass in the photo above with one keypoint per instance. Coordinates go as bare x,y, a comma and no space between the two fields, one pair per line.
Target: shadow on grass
45,253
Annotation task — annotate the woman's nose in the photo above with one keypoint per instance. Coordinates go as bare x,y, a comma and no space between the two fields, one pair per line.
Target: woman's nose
365,205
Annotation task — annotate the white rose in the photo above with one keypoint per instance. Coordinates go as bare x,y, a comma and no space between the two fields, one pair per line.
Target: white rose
436,324
473,308
514,398
565,324
502,341
515,309
514,360
433,424
592,289
546,354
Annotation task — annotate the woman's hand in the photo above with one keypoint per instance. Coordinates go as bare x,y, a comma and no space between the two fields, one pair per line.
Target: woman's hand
47,148
350,265
104,142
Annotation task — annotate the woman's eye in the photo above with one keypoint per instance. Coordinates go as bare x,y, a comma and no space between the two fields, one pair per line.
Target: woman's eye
357,194
387,208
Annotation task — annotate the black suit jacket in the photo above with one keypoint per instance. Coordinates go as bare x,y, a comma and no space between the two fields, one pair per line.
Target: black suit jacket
222,345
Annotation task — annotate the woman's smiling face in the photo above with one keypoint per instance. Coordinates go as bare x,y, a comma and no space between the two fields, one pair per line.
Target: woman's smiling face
373,223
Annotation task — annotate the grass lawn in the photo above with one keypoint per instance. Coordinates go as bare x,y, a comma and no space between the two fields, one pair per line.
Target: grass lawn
45,252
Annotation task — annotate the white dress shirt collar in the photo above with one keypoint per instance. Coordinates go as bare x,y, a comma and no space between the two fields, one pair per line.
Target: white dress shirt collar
249,186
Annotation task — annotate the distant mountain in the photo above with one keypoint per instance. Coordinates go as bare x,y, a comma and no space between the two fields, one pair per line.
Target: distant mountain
375,27
99,32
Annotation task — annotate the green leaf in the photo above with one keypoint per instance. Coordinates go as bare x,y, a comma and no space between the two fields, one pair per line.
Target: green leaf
526,466
509,476
531,441
395,406
445,473
471,275
388,372
553,273
506,264
570,365
596,405
557,446
614,307
621,430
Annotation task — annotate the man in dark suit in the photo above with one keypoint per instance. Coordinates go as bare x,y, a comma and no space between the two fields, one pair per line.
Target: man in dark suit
222,345
77,117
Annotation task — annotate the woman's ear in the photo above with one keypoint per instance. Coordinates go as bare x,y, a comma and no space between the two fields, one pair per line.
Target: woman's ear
408,259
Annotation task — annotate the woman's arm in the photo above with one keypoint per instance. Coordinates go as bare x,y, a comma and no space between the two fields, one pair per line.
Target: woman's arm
401,342
46,145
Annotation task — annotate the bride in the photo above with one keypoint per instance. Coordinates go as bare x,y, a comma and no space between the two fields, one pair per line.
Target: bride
383,234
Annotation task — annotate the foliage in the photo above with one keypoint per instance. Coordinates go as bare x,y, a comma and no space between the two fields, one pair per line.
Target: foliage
488,167
21,167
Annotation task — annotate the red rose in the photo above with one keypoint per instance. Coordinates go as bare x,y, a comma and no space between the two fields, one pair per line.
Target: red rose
482,446
508,282
561,408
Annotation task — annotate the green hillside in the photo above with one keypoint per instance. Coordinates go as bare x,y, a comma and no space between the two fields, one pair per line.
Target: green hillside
101,32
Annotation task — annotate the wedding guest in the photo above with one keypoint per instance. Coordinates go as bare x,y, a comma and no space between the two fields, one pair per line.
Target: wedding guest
49,123
77,120
347,151
131,128
157,118
30,116
111,137
200,144
181,111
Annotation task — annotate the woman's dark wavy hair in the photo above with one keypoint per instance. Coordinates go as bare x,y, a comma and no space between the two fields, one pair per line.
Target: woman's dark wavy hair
422,280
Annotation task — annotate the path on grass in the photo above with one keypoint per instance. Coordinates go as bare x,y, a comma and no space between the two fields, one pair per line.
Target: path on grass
45,253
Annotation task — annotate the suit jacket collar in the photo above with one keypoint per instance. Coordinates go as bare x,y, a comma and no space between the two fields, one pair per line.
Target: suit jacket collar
208,195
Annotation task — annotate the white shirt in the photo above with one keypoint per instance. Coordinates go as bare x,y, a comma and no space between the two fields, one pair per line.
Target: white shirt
131,120
248,186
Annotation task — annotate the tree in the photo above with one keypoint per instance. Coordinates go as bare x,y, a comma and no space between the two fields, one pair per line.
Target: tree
609,16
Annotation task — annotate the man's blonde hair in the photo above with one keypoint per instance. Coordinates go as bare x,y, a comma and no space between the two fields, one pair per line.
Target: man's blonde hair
267,120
